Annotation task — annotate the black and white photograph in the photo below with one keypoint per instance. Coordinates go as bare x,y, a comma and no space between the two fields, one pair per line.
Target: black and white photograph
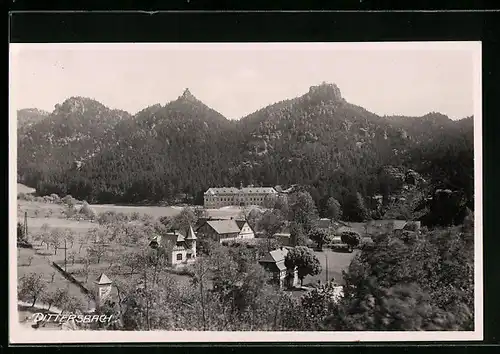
198,192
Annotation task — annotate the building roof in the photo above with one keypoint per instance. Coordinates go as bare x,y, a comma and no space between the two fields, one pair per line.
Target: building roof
224,226
240,223
103,279
180,236
324,223
245,190
275,256
282,234
190,234
396,224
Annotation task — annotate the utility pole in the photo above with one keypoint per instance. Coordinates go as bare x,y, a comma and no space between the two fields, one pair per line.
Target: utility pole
26,225
326,257
65,247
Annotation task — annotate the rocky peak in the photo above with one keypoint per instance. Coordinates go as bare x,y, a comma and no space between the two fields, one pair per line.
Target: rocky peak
325,92
187,95
75,104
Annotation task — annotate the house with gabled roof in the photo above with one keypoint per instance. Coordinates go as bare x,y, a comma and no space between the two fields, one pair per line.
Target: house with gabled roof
274,262
225,229
219,230
179,246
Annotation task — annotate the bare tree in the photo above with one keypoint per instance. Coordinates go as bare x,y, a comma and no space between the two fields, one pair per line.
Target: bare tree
56,239
201,268
72,257
86,269
97,251
30,287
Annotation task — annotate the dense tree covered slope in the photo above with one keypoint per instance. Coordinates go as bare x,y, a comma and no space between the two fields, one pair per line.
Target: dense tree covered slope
176,151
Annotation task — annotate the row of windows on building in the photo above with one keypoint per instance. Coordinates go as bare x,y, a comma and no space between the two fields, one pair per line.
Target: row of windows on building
217,199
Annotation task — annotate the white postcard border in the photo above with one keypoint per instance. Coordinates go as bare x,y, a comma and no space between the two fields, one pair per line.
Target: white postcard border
20,335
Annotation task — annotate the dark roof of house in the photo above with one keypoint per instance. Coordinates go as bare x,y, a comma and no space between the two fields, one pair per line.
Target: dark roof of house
224,226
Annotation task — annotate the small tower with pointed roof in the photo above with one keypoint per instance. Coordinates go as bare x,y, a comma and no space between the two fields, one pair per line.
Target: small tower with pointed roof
191,241
102,288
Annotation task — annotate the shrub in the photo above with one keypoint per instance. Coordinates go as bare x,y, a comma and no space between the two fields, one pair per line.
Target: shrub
87,212
352,239
411,226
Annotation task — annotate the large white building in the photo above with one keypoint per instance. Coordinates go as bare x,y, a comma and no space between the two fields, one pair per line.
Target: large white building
225,196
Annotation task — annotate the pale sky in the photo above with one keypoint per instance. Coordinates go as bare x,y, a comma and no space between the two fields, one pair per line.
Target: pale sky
237,79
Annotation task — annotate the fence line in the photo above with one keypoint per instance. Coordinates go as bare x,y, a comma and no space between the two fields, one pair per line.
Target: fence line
72,279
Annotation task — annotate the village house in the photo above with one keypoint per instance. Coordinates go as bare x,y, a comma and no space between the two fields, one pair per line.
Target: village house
283,238
246,230
179,246
274,262
221,230
226,196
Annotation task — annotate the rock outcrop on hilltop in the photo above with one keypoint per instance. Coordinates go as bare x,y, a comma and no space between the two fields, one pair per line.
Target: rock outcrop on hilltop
318,140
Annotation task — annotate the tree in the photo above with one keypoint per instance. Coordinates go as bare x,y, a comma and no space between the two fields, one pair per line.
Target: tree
304,260
187,217
354,208
281,204
86,269
420,285
30,259
319,236
318,304
200,213
334,209
56,298
303,210
56,239
97,250
87,211
44,235
271,222
133,260
21,236
297,235
351,238
30,287
69,201
252,217
69,236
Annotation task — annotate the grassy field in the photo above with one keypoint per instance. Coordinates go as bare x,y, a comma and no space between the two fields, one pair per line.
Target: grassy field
41,264
21,188
337,261
159,211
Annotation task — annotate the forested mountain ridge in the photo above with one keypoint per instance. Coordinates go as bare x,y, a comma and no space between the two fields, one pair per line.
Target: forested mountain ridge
71,134
29,116
175,151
